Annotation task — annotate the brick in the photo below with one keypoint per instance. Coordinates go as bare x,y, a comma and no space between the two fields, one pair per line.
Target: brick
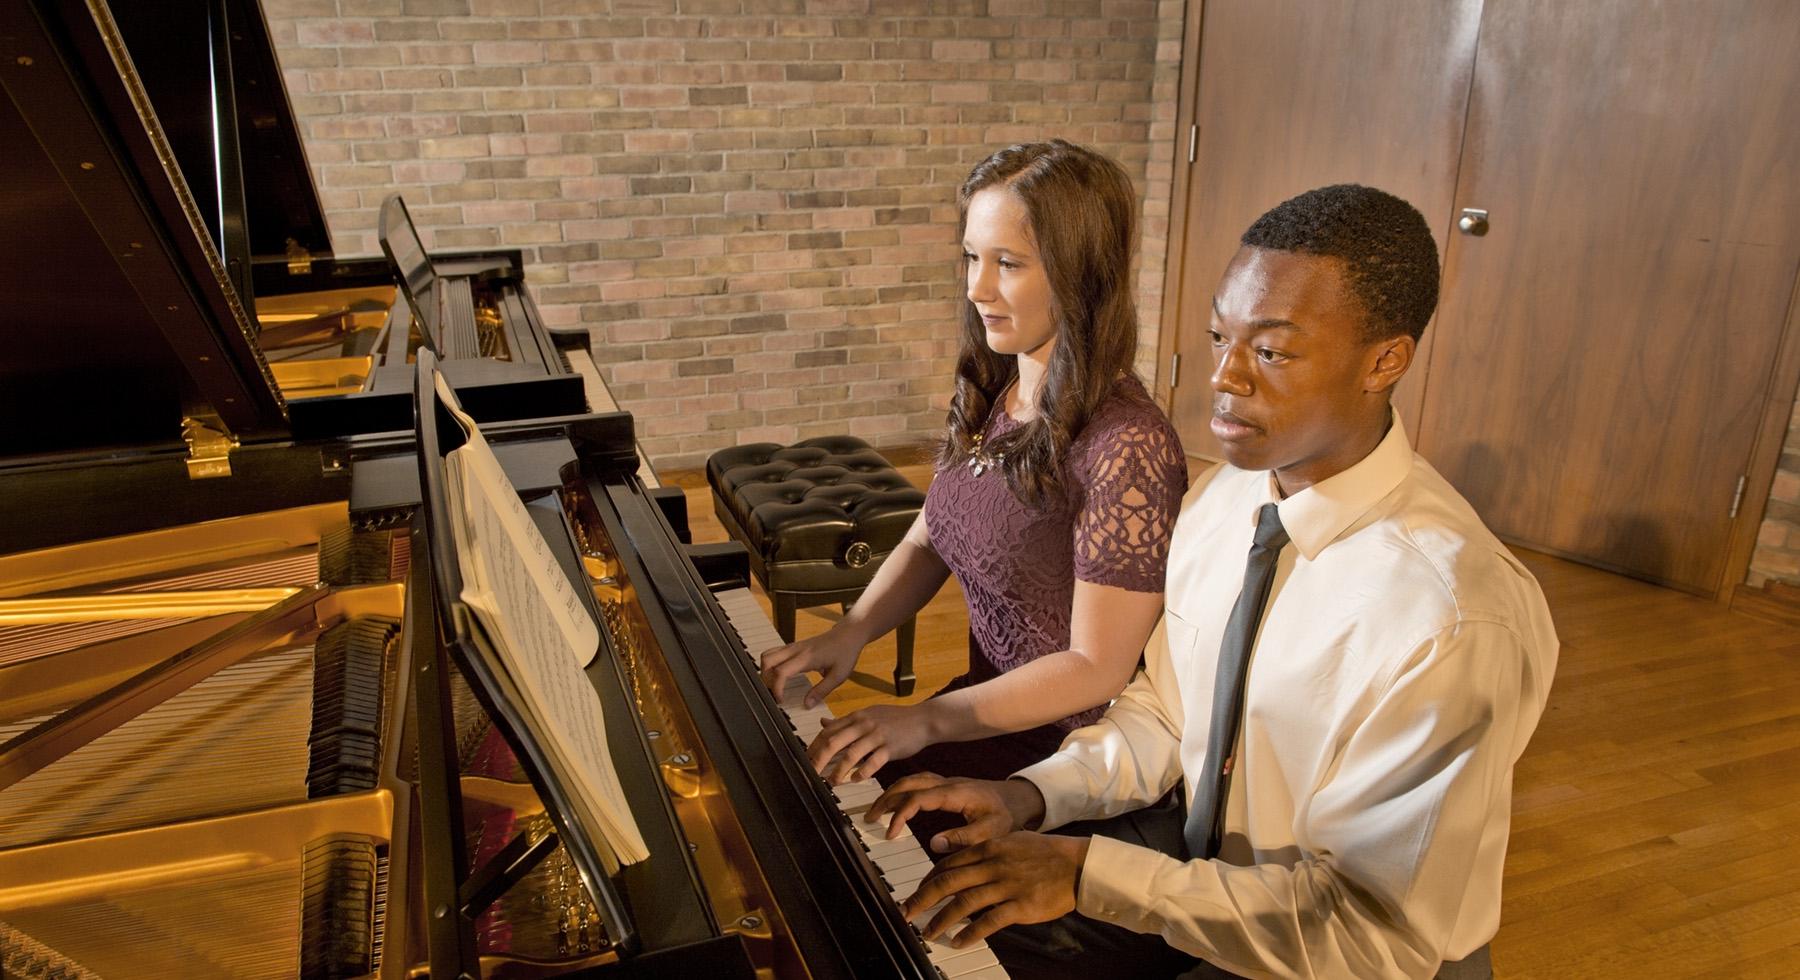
718,96
758,324
404,30
813,72
820,358
661,185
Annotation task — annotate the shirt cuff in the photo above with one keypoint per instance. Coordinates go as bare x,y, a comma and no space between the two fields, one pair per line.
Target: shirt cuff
1113,881
1063,786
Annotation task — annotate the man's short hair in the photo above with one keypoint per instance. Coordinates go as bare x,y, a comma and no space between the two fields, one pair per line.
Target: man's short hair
1390,258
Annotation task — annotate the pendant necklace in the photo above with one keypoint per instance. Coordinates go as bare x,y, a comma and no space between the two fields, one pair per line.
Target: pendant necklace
980,460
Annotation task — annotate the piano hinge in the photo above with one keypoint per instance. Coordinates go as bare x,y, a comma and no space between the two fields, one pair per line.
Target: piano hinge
209,447
299,259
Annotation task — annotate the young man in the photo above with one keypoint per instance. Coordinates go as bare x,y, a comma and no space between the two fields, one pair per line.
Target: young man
1346,744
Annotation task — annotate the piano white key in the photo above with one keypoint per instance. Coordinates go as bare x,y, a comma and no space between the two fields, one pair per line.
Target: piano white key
901,862
907,879
962,962
894,864
879,848
854,798
923,917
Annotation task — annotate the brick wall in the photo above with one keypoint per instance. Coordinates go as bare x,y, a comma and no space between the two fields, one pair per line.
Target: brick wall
749,203
1777,554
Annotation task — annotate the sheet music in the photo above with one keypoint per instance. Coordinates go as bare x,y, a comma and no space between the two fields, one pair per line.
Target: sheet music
535,621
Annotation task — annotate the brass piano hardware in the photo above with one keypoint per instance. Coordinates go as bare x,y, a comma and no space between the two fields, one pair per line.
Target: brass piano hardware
299,260
209,447
57,737
138,605
682,776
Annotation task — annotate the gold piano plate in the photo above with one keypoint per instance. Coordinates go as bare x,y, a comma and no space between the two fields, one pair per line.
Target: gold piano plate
207,544
311,338
224,895
210,833
317,377
741,899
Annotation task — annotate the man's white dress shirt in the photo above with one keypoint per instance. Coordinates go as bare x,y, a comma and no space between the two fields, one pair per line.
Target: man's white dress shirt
1403,661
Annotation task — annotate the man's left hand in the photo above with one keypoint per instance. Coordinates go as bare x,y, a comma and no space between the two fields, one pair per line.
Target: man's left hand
1020,878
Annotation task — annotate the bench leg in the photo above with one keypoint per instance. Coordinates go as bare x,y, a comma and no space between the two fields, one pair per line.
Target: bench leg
784,614
903,656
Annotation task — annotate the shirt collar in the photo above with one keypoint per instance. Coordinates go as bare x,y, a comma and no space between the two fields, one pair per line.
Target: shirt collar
1315,517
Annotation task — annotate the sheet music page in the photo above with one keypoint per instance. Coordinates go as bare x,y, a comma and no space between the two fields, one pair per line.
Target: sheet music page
478,464
543,633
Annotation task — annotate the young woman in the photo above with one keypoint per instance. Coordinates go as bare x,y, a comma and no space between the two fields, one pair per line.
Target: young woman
1056,488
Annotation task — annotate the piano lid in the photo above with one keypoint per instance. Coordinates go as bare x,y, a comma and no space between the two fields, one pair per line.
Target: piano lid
121,315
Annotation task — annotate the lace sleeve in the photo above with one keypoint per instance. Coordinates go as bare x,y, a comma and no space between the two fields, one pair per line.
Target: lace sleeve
1135,477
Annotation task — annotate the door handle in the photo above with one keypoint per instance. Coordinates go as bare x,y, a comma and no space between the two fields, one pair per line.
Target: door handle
1473,222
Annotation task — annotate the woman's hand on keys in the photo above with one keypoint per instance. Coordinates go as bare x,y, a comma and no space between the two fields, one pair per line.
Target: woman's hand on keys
831,654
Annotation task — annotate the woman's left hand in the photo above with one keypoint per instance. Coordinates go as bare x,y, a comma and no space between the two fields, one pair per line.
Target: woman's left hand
856,745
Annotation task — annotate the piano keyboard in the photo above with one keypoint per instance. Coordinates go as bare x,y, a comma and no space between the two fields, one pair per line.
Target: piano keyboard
901,863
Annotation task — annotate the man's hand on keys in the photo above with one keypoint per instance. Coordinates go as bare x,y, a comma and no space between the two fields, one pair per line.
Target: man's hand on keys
1022,877
1014,876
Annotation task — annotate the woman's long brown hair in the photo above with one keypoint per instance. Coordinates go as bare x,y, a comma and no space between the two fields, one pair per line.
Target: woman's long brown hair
1083,215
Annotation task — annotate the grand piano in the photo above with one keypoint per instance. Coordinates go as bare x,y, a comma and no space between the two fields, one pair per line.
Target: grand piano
244,728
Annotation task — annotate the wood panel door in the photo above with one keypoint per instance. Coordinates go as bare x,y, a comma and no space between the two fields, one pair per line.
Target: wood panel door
1605,351
1297,94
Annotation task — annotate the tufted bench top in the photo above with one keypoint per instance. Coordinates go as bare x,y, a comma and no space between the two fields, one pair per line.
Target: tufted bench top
831,504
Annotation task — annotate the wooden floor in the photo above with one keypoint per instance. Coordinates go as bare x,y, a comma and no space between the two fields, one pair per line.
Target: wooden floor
1656,823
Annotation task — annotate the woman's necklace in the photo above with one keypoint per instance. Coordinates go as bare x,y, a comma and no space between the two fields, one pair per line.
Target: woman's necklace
980,460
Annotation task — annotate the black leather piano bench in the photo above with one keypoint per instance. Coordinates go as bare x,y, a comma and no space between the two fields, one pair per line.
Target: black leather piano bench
818,519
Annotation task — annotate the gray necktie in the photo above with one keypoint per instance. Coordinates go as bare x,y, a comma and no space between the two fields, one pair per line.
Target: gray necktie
1206,816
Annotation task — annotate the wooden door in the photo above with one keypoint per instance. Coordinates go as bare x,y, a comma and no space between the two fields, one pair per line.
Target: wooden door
1297,94
1605,351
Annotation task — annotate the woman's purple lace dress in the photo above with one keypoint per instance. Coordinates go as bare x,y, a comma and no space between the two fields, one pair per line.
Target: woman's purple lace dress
1124,478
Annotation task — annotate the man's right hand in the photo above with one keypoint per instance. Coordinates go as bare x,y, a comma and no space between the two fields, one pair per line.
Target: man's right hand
829,653
989,808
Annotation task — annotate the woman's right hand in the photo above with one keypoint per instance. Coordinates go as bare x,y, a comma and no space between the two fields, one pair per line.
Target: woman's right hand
830,653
